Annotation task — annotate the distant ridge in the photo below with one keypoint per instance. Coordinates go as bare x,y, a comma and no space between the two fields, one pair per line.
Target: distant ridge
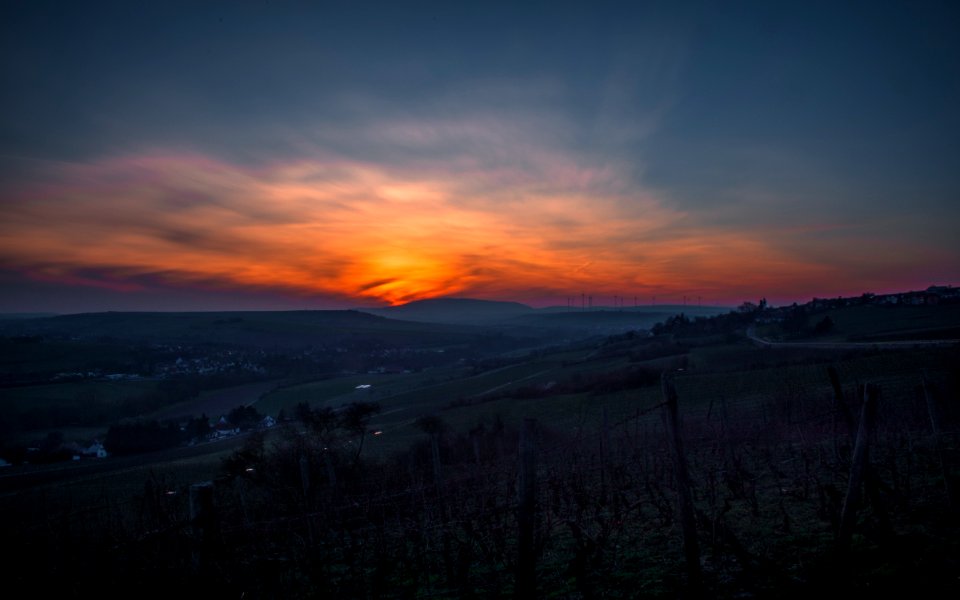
245,328
454,310
470,311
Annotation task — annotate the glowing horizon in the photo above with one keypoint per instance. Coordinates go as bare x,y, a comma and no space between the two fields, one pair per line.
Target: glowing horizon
360,232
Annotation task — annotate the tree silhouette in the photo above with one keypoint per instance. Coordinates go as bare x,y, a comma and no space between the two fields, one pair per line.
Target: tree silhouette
824,326
355,418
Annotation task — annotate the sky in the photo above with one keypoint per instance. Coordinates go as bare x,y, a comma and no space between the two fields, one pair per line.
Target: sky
316,155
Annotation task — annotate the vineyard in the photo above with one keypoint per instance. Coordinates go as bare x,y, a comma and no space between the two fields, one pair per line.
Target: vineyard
789,480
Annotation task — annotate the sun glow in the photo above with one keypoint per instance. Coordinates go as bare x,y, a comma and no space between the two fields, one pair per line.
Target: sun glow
358,231
400,276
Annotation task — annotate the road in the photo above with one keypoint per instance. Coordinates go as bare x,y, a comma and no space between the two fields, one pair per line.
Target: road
905,344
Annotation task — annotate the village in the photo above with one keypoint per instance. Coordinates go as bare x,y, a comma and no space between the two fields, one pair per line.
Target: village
932,296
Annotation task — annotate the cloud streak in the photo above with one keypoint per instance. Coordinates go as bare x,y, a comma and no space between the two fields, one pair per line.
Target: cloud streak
336,227
483,204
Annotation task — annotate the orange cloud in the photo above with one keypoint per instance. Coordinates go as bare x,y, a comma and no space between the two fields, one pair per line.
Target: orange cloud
335,227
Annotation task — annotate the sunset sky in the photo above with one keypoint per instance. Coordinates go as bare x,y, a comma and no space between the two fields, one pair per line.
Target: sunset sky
280,155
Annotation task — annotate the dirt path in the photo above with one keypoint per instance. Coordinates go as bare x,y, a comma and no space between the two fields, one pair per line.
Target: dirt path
751,335
509,383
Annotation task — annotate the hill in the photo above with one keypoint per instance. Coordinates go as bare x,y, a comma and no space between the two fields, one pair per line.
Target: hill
249,328
453,310
764,429
518,317
610,320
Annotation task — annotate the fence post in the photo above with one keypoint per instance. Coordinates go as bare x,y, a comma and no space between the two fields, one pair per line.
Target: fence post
604,454
331,472
435,456
475,439
839,404
305,476
934,413
526,576
848,514
688,522
203,522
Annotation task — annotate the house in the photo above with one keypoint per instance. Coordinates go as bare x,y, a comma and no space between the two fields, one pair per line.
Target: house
224,428
947,293
96,449
910,299
944,291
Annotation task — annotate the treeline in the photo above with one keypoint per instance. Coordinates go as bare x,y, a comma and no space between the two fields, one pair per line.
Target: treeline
137,437
131,437
142,436
87,408
683,326
794,320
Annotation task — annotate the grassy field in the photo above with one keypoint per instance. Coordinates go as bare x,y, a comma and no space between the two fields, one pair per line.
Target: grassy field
62,394
876,323
882,323
428,390
336,391
215,403
44,407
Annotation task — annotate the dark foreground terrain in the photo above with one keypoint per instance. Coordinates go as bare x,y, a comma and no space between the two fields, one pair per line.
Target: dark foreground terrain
693,463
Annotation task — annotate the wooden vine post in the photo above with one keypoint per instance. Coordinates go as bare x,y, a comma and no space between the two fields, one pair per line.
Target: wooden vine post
688,522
